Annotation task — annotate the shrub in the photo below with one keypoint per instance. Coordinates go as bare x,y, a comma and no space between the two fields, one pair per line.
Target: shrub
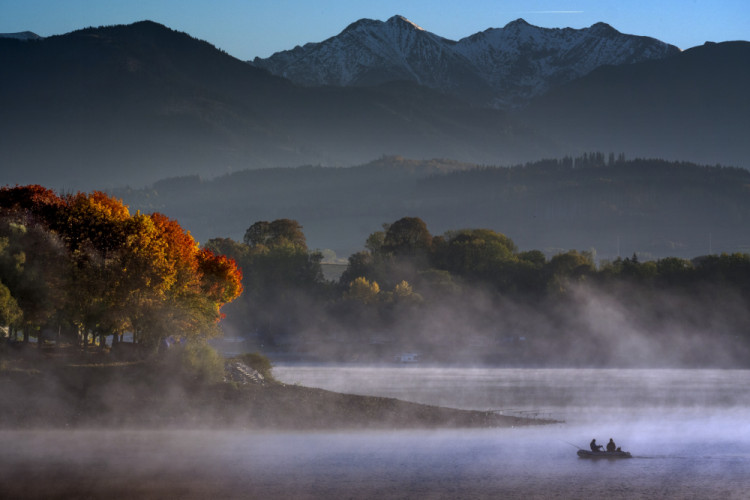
201,362
259,363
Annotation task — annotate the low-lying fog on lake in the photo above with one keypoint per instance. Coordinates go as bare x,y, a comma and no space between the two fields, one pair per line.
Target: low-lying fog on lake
688,431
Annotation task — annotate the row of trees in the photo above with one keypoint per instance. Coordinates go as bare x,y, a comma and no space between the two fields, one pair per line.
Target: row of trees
415,288
407,250
81,264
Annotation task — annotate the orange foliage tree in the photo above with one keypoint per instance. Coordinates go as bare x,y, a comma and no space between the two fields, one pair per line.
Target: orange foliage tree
139,273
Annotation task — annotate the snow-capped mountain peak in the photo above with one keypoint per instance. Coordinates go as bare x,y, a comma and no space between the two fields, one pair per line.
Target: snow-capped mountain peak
501,67
397,19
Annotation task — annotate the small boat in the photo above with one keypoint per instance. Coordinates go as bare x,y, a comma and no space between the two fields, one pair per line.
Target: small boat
604,454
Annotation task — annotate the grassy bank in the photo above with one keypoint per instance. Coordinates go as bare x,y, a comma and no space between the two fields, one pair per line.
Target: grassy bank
89,390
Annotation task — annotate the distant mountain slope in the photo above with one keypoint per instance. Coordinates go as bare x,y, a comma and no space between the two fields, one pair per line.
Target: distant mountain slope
613,205
694,105
102,107
22,35
503,67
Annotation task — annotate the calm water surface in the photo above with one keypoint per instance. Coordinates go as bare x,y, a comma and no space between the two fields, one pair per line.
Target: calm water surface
689,432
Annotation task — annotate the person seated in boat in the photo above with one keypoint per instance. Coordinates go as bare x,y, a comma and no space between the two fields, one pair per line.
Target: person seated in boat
594,446
611,446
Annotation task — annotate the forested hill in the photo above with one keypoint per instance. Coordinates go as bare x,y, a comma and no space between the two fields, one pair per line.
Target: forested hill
602,202
693,105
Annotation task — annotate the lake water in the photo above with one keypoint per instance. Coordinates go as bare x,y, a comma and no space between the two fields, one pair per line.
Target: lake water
688,430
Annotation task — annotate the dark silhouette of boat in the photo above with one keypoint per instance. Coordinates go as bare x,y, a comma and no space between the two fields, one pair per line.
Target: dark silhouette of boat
604,454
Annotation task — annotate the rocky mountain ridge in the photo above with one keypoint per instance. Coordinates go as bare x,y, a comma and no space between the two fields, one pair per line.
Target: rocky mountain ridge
501,67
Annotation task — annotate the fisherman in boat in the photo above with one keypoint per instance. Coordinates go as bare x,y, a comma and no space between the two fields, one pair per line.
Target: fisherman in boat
595,447
611,446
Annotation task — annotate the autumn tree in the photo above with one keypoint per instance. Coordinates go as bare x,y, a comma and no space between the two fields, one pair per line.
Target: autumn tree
180,287
141,273
362,290
94,228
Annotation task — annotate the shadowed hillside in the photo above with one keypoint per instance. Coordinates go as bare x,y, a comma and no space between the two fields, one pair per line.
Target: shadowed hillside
128,105
692,106
613,205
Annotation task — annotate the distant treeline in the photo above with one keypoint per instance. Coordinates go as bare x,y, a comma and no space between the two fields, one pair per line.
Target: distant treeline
470,293
614,205
601,175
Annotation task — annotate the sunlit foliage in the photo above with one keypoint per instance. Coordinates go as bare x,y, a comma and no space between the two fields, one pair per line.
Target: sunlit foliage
362,290
82,261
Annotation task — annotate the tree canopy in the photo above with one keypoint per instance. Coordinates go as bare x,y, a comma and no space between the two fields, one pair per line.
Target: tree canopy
276,233
83,261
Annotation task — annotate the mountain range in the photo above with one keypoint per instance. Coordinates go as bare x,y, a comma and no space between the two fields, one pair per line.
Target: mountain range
133,104
102,107
500,67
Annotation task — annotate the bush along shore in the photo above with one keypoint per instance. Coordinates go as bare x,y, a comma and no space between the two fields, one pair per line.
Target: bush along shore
84,390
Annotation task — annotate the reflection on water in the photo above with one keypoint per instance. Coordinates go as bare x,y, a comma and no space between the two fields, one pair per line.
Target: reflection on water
690,444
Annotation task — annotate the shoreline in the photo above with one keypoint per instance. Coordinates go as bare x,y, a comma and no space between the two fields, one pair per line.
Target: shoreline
36,400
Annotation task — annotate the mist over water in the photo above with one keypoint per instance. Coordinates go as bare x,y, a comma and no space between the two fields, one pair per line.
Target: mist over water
687,431
570,394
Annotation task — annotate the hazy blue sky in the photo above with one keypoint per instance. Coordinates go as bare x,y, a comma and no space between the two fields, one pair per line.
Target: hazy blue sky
249,28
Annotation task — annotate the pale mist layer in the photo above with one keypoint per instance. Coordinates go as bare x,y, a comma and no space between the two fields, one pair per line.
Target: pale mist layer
588,326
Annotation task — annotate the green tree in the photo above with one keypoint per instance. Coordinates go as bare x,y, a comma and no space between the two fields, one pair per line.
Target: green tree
535,258
10,313
375,241
567,268
476,252
404,294
33,266
408,237
277,233
360,264
674,271
281,277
